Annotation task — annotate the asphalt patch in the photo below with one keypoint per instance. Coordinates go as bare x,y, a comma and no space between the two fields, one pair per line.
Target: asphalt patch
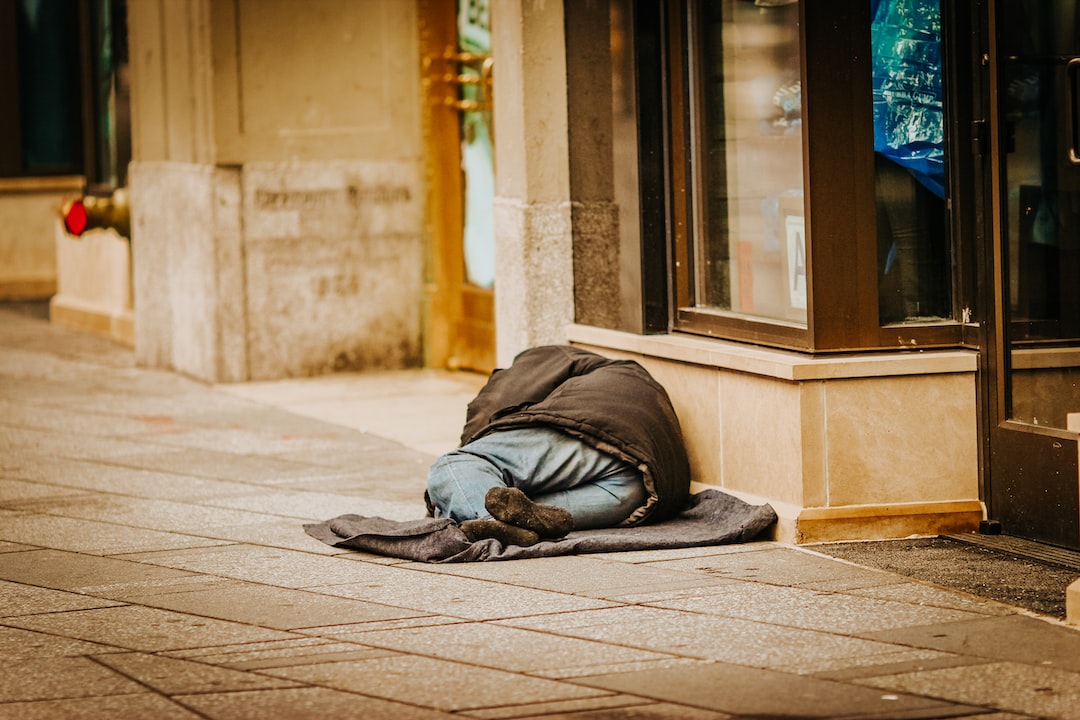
1025,582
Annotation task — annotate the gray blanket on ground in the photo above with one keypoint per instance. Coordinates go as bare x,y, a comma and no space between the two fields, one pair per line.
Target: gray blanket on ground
710,517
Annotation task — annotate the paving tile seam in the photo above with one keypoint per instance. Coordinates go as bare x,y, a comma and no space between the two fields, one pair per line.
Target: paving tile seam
840,594
257,488
990,708
953,660
160,654
786,626
305,632
115,647
662,655
149,688
663,698
58,512
976,600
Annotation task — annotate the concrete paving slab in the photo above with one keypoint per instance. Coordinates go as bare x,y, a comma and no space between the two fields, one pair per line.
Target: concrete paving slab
579,575
78,572
118,480
272,532
18,599
278,653
110,707
437,593
756,692
1005,686
13,491
175,457
345,631
270,566
240,441
704,637
95,538
927,595
61,677
381,403
370,487
811,609
780,566
67,420
507,648
315,506
17,644
163,515
216,465
386,458
272,607
303,704
1013,637
144,628
899,663
657,556
7,547
178,677
367,480
902,660
15,441
436,684
623,707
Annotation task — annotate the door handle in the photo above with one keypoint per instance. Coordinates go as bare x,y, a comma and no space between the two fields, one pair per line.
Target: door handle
482,81
1072,112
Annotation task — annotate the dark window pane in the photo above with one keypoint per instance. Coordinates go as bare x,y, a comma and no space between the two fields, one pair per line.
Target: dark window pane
914,268
749,235
111,89
49,94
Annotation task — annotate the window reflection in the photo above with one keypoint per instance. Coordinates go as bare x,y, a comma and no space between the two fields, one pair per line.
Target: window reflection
914,269
750,236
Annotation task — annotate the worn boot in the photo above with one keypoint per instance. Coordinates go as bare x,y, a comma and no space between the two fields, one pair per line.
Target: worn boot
506,534
514,507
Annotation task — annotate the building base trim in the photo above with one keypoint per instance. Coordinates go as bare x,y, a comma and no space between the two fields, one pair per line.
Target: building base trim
879,522
76,315
27,288
800,526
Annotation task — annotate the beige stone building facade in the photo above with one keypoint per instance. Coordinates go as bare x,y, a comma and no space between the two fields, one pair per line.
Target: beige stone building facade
692,185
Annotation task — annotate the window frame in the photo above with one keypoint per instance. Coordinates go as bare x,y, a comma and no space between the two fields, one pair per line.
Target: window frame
839,194
84,119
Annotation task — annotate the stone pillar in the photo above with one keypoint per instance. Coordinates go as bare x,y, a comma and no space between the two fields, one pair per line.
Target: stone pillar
171,188
276,187
534,297
592,164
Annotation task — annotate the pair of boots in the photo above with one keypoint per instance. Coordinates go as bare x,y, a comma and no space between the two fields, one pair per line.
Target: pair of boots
517,520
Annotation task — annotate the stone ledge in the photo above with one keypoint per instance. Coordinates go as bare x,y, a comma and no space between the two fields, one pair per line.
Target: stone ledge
27,288
779,364
54,184
799,526
118,325
892,521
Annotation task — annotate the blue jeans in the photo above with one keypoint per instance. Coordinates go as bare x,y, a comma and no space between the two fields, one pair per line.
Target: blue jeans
552,468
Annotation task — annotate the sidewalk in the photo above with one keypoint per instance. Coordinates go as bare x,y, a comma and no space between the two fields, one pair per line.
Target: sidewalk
153,565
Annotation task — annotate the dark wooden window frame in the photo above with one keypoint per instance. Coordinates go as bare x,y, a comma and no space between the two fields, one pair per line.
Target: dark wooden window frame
839,199
83,118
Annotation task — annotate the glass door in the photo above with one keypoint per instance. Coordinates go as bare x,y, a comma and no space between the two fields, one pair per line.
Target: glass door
1033,478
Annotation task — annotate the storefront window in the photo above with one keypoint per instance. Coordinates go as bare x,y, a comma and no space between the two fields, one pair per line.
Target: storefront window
817,197
749,230
914,269
48,100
